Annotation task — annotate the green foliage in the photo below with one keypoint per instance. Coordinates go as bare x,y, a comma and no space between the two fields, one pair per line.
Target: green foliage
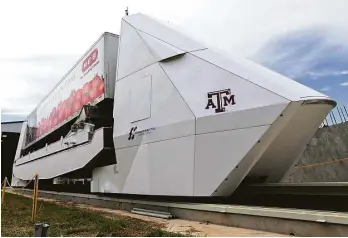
162,233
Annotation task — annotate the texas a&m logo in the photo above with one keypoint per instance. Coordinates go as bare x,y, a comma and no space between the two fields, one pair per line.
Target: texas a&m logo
220,99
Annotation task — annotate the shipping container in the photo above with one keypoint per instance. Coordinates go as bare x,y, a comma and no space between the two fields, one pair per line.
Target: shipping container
89,81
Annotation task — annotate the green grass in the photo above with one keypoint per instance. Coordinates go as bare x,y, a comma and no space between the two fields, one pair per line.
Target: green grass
71,221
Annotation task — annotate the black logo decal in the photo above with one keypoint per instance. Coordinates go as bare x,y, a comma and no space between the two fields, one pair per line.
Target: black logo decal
223,99
131,133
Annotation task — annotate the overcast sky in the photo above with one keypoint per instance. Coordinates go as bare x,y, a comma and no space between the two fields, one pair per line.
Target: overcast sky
41,40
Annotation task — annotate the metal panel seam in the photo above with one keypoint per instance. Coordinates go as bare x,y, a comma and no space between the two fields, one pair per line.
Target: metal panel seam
195,119
135,72
241,128
174,138
166,72
240,76
165,41
56,152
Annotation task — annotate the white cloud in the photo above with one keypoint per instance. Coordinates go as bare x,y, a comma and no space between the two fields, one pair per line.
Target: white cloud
345,84
316,75
25,82
243,26
325,89
239,26
51,28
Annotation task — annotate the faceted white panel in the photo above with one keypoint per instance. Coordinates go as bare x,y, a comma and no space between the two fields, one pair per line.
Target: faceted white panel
140,97
240,119
63,162
189,72
138,179
172,166
125,158
168,169
302,122
133,53
259,75
217,154
170,115
115,175
160,49
162,31
21,140
104,180
110,63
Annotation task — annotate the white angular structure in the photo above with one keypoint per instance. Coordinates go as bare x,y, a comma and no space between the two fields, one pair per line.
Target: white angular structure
189,121
172,117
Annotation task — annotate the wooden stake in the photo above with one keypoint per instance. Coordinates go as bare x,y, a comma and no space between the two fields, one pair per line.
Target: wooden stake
3,191
35,195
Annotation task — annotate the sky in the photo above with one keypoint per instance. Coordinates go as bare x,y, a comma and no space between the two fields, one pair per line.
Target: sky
41,40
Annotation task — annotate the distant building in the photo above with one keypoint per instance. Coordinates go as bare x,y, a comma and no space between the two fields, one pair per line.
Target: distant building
10,132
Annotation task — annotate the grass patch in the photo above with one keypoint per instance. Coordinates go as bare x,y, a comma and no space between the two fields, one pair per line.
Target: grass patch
71,221
162,233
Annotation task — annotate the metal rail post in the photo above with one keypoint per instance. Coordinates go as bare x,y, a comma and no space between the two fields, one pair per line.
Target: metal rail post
344,117
339,113
344,107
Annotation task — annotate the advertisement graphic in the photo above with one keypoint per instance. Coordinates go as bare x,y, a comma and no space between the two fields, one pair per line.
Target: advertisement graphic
82,85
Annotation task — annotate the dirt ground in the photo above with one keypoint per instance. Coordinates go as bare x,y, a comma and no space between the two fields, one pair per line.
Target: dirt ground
192,228
185,227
